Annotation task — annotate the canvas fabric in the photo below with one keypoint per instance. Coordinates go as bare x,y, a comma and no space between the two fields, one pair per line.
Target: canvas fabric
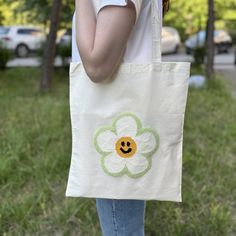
127,131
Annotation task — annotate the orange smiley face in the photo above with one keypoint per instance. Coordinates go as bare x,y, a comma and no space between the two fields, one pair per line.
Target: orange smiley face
126,147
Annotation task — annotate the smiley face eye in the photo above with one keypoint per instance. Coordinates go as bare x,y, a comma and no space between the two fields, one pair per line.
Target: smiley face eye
127,143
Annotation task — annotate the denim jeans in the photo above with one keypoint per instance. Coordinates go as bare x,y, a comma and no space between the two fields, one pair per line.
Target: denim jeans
121,217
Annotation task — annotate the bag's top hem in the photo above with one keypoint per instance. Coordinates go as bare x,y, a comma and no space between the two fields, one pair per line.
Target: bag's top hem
182,67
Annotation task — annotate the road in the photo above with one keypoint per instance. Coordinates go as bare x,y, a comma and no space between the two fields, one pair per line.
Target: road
222,61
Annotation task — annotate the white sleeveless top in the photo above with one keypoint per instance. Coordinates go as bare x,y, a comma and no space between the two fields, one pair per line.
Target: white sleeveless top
139,46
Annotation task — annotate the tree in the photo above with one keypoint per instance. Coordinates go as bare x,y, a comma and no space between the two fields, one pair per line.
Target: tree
50,48
38,12
1,18
210,39
35,12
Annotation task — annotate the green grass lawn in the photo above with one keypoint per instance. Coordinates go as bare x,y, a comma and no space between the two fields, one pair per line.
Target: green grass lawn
35,146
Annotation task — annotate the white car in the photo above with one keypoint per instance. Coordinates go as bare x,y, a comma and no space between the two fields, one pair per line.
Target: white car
170,40
21,39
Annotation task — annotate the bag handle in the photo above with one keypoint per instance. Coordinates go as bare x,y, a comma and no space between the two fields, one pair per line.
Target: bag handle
156,15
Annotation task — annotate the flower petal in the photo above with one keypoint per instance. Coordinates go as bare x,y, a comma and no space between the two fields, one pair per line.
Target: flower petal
137,164
105,140
126,126
147,142
113,163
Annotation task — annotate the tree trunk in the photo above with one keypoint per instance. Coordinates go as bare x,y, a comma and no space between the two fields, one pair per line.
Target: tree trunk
210,40
50,48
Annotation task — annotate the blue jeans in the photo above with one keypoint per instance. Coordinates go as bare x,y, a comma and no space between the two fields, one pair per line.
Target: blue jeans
121,217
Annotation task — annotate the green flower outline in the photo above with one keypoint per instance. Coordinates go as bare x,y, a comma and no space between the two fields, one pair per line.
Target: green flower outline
140,131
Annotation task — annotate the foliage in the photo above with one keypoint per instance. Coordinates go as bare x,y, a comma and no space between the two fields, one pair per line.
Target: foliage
9,16
38,12
35,156
64,51
198,55
1,14
4,56
190,16
1,18
186,16
231,25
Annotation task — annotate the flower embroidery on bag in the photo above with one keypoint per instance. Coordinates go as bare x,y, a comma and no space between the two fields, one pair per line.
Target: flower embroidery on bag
126,147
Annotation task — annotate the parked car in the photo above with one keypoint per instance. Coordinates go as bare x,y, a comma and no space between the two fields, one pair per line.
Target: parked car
222,40
170,40
21,39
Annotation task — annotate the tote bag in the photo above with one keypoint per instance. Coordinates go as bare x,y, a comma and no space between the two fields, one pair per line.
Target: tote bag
127,132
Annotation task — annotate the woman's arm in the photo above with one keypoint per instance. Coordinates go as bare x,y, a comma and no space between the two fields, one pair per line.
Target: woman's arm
102,41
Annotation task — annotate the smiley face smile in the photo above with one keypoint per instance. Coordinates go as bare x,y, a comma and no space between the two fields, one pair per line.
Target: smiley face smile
128,151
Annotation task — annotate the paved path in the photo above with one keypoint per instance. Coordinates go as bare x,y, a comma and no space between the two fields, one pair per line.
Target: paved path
30,62
222,61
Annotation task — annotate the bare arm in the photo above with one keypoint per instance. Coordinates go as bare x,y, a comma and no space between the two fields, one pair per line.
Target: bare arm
102,41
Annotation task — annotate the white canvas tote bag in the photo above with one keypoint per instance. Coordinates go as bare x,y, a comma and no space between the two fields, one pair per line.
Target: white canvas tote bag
127,132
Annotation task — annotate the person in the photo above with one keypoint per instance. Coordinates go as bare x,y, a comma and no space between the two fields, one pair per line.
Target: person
106,33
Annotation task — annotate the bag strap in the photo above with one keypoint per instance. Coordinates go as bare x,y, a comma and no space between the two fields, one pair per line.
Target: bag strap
156,15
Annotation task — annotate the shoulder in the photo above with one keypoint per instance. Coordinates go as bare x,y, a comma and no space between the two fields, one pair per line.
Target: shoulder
137,5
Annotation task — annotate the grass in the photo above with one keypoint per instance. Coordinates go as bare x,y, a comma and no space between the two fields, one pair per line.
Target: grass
35,156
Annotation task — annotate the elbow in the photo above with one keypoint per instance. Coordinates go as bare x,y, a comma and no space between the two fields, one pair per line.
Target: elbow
96,74
99,68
